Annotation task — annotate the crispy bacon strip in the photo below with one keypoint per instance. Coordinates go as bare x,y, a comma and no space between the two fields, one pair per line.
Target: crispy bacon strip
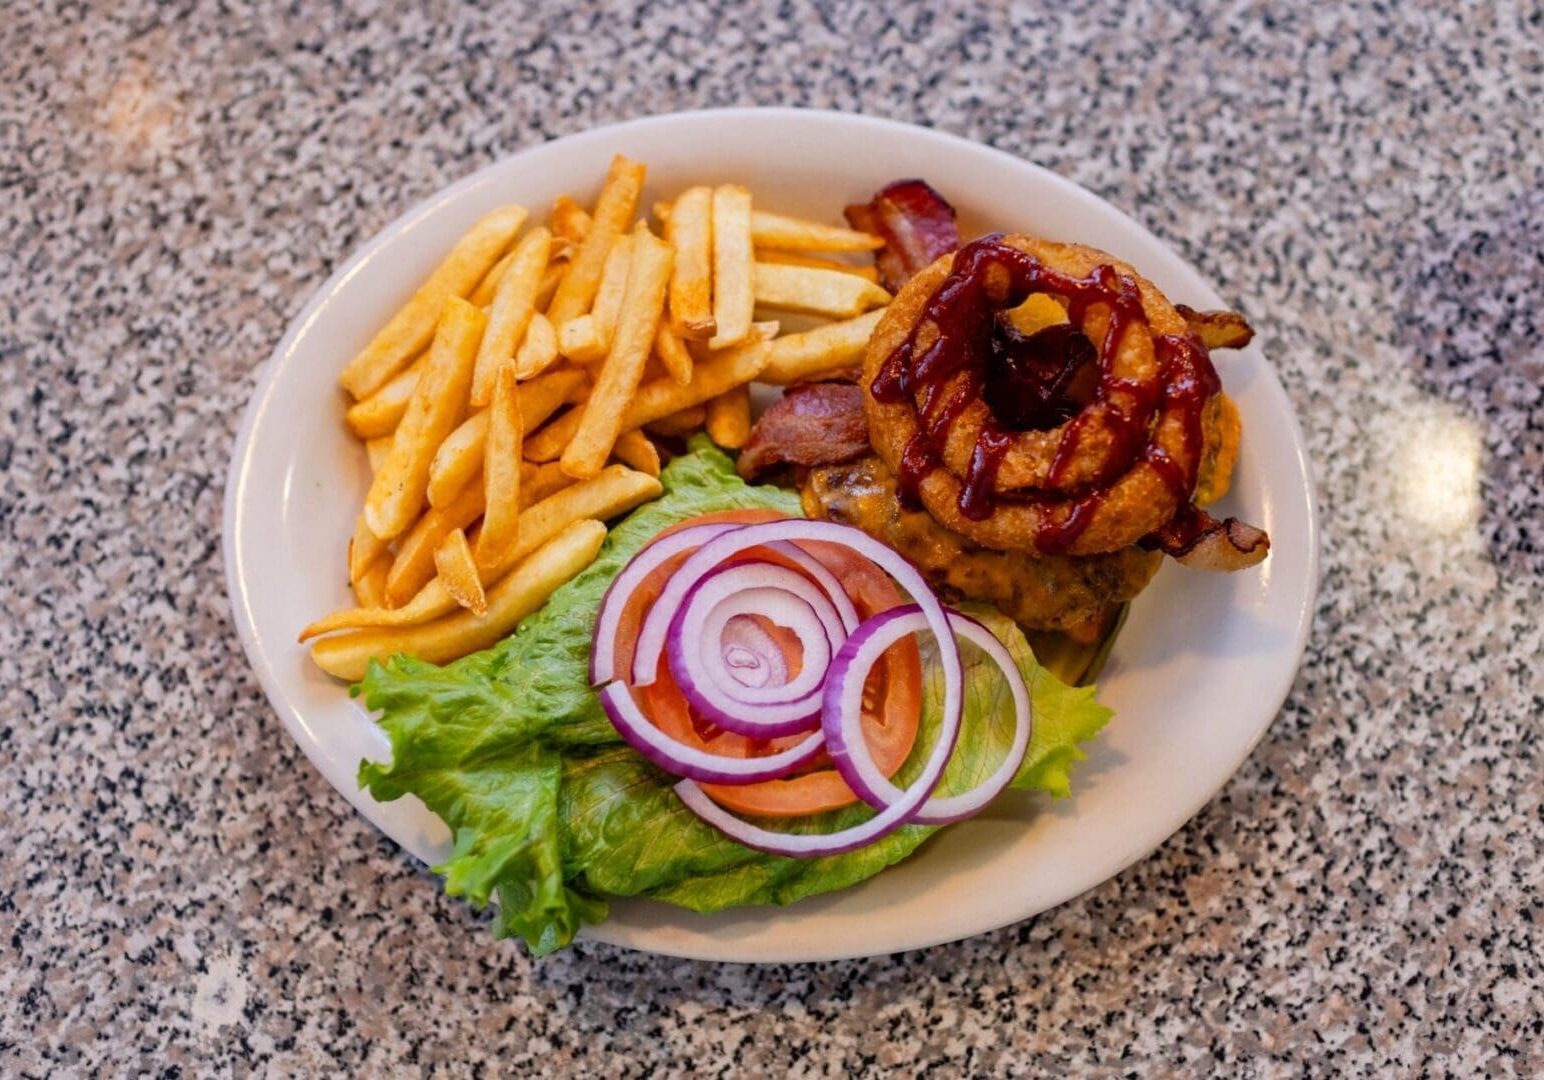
811,425
916,223
1201,542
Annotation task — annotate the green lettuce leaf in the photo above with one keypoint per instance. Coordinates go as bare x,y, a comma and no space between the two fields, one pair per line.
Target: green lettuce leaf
552,813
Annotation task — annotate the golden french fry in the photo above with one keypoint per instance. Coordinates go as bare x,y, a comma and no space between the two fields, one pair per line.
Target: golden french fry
689,230
817,292
539,481
795,258
347,656
680,424
634,449
642,307
483,295
549,285
549,443
412,327
672,353
569,223
720,372
370,589
397,492
513,305
539,350
615,491
364,547
580,340
614,211
413,564
377,449
461,454
733,269
501,472
795,234
823,351
381,412
729,418
454,565
613,284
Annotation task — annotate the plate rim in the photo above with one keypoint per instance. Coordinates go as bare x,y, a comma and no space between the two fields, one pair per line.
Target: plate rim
267,377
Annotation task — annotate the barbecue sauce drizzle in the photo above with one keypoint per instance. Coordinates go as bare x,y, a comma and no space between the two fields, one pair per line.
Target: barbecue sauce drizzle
988,276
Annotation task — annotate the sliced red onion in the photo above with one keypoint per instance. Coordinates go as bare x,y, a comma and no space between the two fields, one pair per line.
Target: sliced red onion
696,648
681,760
813,845
843,707
603,648
752,655
654,632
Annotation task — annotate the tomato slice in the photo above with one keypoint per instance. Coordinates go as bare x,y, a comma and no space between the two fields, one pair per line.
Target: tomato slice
892,698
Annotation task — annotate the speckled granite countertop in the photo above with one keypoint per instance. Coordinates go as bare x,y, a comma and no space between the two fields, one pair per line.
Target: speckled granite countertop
181,892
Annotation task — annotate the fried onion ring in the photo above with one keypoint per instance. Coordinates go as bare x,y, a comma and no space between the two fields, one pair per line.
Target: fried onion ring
1120,469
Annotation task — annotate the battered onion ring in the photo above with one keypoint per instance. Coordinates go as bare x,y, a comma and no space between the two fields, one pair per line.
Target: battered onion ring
1116,472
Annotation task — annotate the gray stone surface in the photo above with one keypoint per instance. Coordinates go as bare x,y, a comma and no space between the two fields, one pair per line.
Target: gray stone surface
181,892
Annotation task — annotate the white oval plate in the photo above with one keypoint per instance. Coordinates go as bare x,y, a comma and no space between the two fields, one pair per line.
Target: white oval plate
1196,677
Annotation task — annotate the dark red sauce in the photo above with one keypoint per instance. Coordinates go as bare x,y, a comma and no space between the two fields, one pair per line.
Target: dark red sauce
1028,383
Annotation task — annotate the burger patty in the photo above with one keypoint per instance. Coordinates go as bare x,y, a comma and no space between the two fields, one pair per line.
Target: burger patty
1063,593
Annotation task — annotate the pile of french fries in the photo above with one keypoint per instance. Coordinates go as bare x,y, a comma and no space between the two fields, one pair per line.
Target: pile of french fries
511,407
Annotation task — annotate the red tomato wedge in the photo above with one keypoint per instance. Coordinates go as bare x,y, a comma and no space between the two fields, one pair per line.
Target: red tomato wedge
892,699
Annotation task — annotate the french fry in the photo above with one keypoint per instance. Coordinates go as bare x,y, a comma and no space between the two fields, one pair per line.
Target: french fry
513,305
483,295
539,481
642,306
397,492
569,224
501,472
672,353
718,374
549,443
794,258
733,277
347,656
689,231
614,211
370,589
795,234
634,449
549,285
680,424
615,491
461,454
613,285
414,325
454,565
539,350
826,350
381,412
377,449
413,565
817,292
729,418
581,341
364,547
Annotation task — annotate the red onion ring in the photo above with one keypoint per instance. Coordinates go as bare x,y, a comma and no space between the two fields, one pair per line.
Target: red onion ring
654,632
603,647
745,637
681,760
843,704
